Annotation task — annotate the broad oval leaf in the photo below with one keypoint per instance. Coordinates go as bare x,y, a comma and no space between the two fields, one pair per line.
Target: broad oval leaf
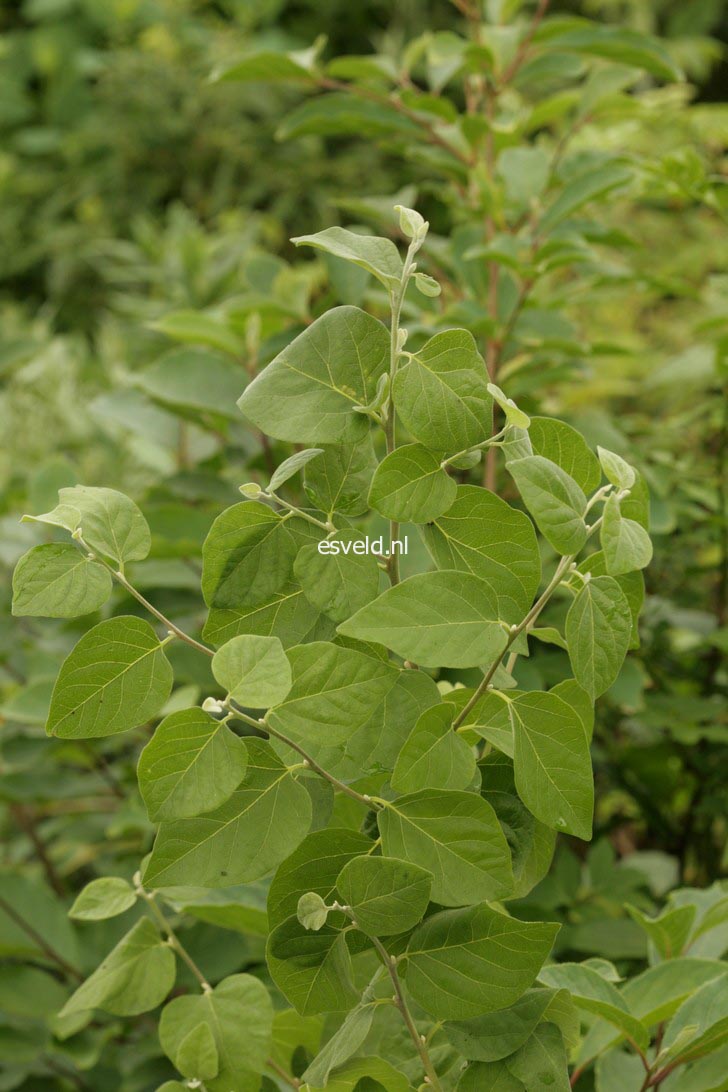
224,847
563,445
463,963
116,678
377,255
308,393
598,630
339,480
551,762
437,619
338,584
254,670
239,1017
335,690
386,896
411,486
311,969
191,765
103,898
134,977
314,866
248,554
497,1034
57,581
456,836
625,542
108,521
434,756
554,500
483,535
441,393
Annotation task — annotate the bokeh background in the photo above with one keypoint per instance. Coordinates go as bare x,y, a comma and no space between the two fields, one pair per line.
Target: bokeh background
137,193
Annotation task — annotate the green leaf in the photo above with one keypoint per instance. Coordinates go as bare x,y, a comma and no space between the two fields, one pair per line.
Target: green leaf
616,470
191,765
56,581
563,445
308,393
669,931
626,544
357,1072
255,671
134,977
108,521
618,43
454,835
378,742
594,993
497,1034
437,619
541,1062
339,481
386,896
199,328
342,114
598,630
554,500
463,963
224,846
292,465
592,184
552,762
312,970
314,866
342,1044
287,615
248,554
238,1015
575,696
514,416
271,66
312,911
489,1077
706,1013
335,690
116,678
531,843
197,1055
338,584
427,285
441,393
103,898
632,585
434,756
410,486
371,252
483,535
525,174
195,380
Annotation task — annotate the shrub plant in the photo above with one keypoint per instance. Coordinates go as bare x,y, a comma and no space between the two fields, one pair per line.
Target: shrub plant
337,768
362,763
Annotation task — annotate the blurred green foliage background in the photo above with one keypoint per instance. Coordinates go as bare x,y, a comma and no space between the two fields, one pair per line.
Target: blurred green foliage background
134,187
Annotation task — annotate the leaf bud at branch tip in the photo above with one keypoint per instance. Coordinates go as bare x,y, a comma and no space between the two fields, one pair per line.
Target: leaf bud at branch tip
212,705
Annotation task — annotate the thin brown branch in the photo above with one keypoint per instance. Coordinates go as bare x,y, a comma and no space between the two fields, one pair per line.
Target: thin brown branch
26,821
522,51
40,941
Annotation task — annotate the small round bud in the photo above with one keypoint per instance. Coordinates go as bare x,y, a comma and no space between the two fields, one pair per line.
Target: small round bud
212,705
251,489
